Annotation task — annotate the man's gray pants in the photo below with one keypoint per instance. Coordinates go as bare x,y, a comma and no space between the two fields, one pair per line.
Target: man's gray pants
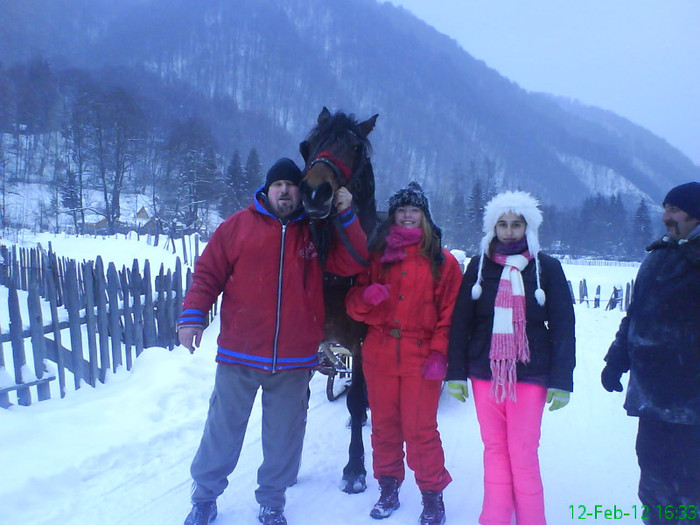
284,406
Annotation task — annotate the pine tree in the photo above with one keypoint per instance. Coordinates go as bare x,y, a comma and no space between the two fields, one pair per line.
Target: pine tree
615,226
71,200
475,211
641,234
231,200
253,177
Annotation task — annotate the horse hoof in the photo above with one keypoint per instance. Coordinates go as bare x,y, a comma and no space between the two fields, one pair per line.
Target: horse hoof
354,485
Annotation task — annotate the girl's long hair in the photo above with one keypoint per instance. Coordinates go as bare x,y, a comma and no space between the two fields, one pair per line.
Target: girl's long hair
429,247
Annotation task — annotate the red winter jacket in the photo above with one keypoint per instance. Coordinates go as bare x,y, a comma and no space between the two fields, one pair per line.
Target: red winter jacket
272,311
418,307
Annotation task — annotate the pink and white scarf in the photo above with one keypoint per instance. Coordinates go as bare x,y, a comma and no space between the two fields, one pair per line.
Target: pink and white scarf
508,339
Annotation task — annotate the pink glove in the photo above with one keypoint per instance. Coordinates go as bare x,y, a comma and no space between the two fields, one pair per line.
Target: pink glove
435,367
375,293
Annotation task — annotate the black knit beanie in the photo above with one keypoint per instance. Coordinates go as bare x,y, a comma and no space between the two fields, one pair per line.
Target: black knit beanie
283,169
686,197
413,195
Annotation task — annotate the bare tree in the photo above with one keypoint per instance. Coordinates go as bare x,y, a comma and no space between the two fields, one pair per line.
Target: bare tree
192,165
118,134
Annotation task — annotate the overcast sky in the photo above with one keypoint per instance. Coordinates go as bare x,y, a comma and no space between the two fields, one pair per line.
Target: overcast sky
638,58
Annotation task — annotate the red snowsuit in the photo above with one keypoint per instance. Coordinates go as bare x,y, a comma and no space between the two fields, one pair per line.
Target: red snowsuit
403,330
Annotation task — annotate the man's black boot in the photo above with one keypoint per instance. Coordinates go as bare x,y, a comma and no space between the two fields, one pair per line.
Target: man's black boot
202,513
272,516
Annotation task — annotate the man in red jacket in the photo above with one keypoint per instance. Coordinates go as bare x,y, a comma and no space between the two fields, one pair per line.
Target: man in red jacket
272,314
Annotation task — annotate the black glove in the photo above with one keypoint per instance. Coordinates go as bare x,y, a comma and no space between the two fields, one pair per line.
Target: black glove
610,377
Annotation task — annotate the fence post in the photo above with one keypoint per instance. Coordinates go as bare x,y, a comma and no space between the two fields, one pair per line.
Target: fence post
571,292
102,318
114,321
16,268
4,264
149,321
90,320
196,249
24,396
57,277
596,300
73,306
137,309
177,286
631,291
160,308
126,315
169,311
22,284
36,325
52,292
4,396
184,248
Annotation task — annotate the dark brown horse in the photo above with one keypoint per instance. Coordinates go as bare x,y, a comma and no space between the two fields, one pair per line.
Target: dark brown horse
337,153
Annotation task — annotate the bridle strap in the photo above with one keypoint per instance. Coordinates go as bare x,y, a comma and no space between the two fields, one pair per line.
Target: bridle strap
341,170
331,160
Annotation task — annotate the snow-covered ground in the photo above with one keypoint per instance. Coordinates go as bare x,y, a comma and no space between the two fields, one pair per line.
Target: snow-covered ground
120,453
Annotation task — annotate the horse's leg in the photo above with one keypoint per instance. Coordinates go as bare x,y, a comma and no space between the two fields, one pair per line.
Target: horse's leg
354,473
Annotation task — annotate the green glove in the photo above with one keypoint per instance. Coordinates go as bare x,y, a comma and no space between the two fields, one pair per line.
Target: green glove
558,398
458,390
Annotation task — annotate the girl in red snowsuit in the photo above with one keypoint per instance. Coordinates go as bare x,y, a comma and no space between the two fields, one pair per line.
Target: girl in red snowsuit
406,297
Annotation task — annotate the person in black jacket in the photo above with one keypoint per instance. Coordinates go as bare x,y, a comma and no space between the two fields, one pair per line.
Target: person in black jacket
658,342
513,336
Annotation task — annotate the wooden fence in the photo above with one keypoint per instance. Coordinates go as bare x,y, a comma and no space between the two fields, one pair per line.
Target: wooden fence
619,298
124,311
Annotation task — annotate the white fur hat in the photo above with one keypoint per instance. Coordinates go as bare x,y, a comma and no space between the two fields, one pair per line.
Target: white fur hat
519,203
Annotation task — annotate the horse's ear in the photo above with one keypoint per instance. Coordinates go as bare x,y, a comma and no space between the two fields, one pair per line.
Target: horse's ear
368,125
304,148
324,116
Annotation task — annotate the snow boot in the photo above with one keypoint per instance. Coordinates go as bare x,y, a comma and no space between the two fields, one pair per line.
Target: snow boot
271,516
202,513
388,498
433,508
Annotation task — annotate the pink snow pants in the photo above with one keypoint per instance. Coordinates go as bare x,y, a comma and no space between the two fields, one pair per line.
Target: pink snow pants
511,434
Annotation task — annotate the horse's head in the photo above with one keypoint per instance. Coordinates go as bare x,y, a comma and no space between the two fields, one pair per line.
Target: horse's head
335,152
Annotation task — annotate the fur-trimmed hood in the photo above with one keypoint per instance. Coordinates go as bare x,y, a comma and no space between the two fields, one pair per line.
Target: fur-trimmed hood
519,203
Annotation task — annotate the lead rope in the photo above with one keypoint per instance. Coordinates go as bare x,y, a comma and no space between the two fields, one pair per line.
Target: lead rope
335,219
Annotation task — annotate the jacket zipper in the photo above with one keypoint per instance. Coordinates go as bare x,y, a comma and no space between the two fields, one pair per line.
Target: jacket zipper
279,301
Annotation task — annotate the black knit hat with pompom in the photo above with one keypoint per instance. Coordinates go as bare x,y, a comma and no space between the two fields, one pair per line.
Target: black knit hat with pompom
413,195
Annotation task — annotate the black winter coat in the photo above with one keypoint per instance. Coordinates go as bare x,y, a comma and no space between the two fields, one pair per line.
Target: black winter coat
659,339
550,328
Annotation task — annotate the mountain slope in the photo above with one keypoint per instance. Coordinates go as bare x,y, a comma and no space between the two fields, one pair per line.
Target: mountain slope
266,67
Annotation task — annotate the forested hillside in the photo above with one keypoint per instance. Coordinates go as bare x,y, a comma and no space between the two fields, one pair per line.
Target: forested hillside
188,102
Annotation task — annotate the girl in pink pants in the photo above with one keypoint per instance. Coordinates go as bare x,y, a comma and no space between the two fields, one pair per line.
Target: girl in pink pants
512,334
511,435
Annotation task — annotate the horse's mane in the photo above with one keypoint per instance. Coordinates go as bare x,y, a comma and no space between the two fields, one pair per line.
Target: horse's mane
333,128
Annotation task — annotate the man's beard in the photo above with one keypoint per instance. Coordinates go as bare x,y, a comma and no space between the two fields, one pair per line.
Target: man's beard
285,206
